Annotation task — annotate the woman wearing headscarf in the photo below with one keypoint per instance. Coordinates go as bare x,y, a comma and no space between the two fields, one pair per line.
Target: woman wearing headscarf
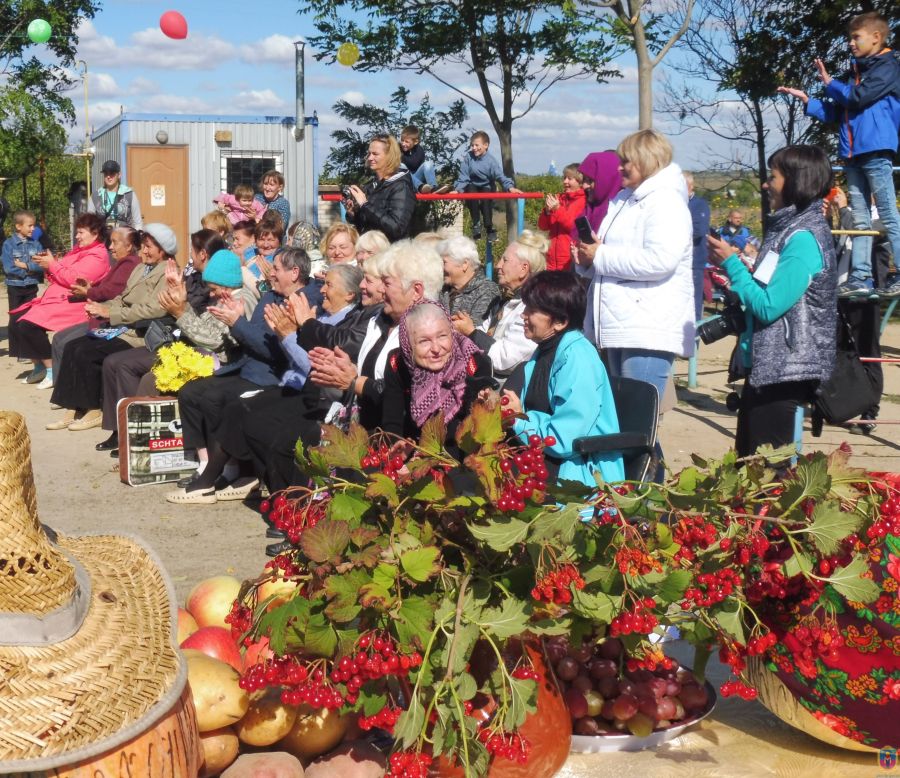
602,181
435,370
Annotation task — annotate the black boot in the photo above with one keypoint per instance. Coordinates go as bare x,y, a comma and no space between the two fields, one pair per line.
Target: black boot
109,444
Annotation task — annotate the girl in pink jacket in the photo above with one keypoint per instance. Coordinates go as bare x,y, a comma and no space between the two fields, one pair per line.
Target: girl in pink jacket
240,206
29,324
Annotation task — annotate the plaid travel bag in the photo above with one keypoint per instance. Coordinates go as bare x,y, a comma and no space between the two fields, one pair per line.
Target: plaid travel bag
151,449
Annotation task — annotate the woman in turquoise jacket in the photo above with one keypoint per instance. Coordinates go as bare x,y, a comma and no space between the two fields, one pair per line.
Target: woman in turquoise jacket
566,393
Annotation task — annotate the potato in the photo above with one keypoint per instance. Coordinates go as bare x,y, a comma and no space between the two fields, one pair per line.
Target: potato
274,764
218,699
314,733
267,720
349,760
220,749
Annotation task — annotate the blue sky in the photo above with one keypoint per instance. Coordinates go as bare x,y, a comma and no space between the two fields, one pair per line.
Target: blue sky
238,58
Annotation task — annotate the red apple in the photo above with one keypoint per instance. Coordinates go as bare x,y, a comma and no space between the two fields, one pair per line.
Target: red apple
217,643
187,625
210,600
256,652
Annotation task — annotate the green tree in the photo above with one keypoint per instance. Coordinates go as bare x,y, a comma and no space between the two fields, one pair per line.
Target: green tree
440,133
514,50
48,78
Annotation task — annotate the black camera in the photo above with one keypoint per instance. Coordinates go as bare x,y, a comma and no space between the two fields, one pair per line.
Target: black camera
347,194
730,322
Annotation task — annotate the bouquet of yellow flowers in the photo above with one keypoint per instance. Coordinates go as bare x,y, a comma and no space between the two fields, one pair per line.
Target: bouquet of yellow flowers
177,364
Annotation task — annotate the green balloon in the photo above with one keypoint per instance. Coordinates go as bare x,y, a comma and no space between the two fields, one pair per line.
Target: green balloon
39,31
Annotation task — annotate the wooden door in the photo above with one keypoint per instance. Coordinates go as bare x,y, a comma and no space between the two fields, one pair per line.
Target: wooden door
159,176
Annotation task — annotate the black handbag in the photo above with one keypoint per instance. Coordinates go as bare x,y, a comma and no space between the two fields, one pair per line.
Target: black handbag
850,391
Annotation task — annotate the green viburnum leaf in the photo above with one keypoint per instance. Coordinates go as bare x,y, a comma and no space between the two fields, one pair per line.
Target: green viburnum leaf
466,688
344,449
597,573
465,638
346,506
409,725
664,536
434,433
849,582
559,525
732,623
796,564
556,626
672,588
506,621
811,481
830,525
427,490
326,541
688,479
413,621
285,623
384,575
372,703
343,592
311,462
522,701
320,637
372,595
501,534
420,563
382,486
843,477
482,427
597,607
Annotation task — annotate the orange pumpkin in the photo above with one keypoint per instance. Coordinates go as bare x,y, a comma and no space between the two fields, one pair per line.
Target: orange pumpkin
170,750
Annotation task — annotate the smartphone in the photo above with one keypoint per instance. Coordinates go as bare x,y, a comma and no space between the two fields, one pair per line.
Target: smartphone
585,235
715,233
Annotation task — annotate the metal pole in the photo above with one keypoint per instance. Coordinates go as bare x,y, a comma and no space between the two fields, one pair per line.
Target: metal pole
489,260
520,203
41,176
87,138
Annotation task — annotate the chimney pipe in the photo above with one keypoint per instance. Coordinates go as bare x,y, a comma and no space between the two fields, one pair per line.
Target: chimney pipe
299,107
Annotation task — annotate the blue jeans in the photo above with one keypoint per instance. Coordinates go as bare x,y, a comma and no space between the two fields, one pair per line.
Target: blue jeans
867,177
646,365
424,175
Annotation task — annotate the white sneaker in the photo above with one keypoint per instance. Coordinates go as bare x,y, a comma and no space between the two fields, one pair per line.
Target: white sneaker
47,383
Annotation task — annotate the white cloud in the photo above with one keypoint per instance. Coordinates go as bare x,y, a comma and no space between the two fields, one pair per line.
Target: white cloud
149,48
103,85
256,100
143,86
353,97
275,49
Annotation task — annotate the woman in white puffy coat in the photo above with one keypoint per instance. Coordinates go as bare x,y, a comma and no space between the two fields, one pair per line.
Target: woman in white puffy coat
640,302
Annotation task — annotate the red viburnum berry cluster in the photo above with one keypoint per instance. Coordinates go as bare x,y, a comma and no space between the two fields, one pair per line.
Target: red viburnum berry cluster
743,690
524,473
817,642
693,532
292,519
377,656
381,459
607,511
555,585
241,620
511,746
889,521
636,561
759,645
755,545
652,659
285,565
384,719
638,620
302,682
524,673
408,764
711,588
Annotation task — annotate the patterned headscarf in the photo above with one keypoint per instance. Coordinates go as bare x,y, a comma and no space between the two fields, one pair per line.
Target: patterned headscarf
442,390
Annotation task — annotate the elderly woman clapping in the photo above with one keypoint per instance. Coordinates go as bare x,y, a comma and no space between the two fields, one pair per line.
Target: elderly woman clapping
466,290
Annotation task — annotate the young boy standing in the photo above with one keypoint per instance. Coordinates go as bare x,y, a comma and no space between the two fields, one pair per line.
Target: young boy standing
421,169
480,172
23,274
867,105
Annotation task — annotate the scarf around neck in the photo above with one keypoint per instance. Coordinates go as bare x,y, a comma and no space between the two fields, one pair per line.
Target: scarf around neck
441,390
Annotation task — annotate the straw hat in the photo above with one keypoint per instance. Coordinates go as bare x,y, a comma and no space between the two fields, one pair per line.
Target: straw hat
87,625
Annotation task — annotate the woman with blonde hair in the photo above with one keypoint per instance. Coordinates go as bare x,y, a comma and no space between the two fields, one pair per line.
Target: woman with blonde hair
217,221
369,244
388,201
643,258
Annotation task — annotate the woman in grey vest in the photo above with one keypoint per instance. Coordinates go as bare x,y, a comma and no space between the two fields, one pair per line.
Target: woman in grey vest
789,300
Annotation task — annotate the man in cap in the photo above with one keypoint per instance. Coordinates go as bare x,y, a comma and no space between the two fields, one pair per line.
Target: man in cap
115,202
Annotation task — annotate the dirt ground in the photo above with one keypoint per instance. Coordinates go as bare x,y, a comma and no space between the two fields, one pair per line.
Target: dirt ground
79,490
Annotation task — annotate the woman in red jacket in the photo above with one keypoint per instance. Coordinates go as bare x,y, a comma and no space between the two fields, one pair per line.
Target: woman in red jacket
55,310
558,218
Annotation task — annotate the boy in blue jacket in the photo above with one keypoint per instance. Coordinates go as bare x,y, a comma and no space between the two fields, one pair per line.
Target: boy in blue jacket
23,274
479,172
867,105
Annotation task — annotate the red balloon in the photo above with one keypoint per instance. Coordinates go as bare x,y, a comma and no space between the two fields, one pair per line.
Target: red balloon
173,24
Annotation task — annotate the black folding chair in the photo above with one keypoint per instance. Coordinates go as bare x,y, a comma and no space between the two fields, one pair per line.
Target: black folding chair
637,406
